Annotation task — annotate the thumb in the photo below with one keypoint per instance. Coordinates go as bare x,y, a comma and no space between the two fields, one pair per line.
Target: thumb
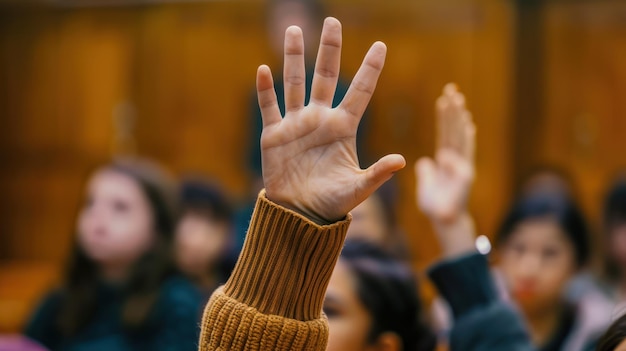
380,172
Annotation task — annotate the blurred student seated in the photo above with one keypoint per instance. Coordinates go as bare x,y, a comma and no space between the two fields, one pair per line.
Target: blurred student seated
542,244
204,235
121,291
615,232
372,301
374,221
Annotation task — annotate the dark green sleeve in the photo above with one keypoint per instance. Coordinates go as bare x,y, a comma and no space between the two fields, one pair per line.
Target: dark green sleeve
482,322
179,313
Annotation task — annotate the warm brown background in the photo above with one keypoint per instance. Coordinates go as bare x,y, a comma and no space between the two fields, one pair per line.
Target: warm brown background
546,81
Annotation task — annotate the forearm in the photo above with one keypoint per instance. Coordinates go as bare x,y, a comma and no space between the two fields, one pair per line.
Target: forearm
275,294
457,236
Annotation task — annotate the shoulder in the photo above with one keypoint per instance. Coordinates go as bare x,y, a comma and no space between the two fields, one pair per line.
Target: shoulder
497,326
49,306
42,323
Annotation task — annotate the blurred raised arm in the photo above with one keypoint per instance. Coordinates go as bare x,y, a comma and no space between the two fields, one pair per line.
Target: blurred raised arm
481,321
444,182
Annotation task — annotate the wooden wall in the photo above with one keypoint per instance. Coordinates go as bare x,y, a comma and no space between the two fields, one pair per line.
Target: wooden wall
571,97
184,72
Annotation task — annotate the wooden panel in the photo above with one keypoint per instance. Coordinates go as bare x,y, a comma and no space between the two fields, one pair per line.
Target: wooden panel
194,84
585,89
65,74
22,284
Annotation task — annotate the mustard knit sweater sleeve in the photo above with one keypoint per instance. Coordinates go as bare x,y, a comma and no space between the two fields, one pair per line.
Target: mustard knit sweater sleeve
273,299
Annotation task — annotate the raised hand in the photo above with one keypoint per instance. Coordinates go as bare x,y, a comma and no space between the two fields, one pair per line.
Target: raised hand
443,184
309,157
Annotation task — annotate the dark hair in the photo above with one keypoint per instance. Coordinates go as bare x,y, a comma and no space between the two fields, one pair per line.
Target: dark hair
615,205
388,290
207,199
614,336
614,215
557,206
81,279
548,178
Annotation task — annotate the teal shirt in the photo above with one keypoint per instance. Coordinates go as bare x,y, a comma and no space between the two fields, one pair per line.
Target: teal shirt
172,325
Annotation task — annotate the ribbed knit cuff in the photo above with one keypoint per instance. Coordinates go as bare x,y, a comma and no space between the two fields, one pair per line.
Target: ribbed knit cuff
464,282
228,324
286,262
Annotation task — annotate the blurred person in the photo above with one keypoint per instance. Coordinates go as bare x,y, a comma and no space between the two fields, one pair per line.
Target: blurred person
369,222
550,179
482,320
306,14
204,235
374,221
542,244
273,299
372,301
121,290
614,223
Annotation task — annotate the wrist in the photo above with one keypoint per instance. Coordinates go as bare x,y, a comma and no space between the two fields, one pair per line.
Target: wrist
456,235
297,207
310,215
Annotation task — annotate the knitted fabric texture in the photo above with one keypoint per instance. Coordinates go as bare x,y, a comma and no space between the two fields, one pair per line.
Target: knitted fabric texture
273,299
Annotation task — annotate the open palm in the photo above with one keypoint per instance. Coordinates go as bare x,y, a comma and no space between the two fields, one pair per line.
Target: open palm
309,157
443,184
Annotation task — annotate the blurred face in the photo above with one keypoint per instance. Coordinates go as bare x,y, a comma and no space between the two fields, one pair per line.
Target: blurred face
368,222
537,261
200,243
348,320
115,226
291,13
617,245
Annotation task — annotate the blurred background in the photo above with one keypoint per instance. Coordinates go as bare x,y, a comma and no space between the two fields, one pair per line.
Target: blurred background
82,81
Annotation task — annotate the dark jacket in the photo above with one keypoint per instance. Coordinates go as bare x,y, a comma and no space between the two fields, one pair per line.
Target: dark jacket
171,325
482,322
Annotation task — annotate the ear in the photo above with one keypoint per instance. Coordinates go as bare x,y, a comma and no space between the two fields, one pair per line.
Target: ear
388,341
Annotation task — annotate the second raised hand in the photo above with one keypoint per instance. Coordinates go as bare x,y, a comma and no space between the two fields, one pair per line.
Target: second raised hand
309,157
444,183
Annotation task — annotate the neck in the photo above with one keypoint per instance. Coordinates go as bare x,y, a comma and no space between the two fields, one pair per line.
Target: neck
543,322
114,272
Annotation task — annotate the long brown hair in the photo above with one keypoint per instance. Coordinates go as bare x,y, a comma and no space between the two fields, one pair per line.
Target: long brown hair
81,279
